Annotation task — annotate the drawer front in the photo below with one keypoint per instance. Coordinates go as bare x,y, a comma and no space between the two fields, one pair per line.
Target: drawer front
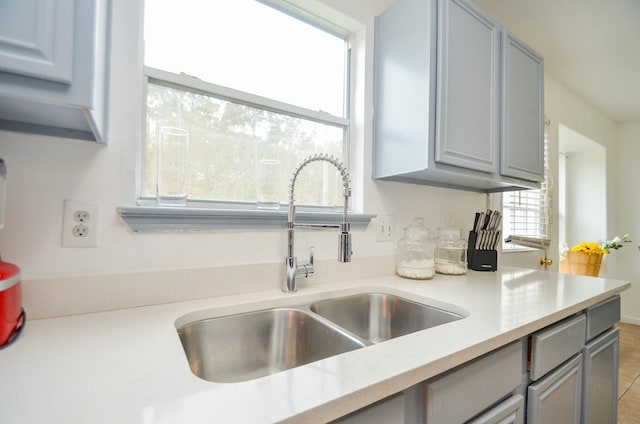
554,345
386,411
510,411
602,316
465,392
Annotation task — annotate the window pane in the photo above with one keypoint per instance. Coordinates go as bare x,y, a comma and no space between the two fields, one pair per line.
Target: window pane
227,140
526,212
248,46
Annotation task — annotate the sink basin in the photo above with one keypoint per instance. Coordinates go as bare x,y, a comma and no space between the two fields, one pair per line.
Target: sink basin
377,317
255,344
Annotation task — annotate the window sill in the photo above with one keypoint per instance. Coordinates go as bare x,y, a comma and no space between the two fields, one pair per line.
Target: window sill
519,249
156,218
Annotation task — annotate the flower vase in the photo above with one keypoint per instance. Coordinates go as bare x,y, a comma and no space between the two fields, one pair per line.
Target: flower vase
581,263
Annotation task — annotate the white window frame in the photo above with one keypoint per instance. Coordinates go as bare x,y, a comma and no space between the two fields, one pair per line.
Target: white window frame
532,202
146,216
541,211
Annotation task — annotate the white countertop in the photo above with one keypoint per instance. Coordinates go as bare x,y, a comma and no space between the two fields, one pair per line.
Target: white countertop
128,366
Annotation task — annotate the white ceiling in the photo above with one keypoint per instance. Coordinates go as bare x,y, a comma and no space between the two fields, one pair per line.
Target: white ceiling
591,46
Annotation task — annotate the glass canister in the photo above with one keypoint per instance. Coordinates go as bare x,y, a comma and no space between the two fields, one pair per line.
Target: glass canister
451,252
415,254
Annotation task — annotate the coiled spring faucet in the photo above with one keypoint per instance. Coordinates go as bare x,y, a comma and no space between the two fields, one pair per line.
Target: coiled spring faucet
293,270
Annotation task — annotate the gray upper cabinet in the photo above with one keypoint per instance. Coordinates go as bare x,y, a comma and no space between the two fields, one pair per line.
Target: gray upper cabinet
440,114
467,112
522,113
53,67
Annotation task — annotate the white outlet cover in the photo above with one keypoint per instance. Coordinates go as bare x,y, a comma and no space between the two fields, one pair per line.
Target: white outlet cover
69,222
385,227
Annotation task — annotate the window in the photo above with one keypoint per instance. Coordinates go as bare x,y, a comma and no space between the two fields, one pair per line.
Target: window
526,212
251,82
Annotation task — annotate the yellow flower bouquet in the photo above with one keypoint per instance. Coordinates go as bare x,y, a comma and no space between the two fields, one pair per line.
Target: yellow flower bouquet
586,257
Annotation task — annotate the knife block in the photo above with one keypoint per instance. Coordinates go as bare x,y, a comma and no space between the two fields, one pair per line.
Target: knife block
480,260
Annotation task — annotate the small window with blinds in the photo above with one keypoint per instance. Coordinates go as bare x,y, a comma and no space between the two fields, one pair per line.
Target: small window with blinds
526,212
524,215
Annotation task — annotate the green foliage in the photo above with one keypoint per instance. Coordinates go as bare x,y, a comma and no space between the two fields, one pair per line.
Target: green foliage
226,141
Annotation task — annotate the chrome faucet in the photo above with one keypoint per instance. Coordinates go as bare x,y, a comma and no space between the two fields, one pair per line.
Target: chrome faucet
293,270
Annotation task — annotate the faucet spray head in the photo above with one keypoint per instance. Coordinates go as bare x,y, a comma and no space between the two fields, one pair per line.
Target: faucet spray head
344,245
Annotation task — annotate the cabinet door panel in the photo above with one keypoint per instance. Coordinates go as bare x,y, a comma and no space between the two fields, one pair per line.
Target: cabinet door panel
600,392
510,411
602,316
36,38
467,88
555,344
556,398
522,114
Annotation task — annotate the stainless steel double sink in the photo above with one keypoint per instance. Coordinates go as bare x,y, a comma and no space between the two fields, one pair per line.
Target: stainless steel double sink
249,345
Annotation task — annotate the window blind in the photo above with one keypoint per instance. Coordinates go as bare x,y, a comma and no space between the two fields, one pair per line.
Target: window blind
526,212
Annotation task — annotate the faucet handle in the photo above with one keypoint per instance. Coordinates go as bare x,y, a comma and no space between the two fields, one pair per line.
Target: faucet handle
307,270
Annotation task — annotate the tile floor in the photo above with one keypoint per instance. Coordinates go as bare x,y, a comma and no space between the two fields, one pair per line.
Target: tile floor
629,374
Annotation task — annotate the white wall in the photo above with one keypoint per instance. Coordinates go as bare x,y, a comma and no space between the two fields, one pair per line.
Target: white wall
625,263
586,187
565,109
45,171
622,203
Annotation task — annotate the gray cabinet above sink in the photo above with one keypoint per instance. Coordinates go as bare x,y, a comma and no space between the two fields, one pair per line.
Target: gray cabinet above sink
53,67
458,100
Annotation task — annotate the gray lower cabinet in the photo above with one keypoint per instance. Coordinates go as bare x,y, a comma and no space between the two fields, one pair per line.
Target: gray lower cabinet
555,368
555,344
387,411
565,373
556,397
54,64
601,359
473,389
510,411
600,382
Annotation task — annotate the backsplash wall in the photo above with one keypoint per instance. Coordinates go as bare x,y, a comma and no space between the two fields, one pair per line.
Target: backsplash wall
44,171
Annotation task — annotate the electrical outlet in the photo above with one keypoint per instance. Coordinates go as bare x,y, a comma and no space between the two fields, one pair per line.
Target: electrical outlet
80,231
385,227
80,224
81,216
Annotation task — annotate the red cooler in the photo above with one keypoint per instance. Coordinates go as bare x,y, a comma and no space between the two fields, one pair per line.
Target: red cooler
12,316
11,313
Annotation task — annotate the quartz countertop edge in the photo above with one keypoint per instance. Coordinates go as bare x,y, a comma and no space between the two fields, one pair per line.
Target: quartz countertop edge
128,365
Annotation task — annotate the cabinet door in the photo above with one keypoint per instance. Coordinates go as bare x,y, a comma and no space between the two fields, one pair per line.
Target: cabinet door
36,38
467,103
522,135
54,63
556,397
600,388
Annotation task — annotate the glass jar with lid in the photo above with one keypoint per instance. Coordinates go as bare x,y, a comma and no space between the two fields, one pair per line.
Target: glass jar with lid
415,254
451,251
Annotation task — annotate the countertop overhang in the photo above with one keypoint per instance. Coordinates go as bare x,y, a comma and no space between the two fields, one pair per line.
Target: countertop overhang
128,366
